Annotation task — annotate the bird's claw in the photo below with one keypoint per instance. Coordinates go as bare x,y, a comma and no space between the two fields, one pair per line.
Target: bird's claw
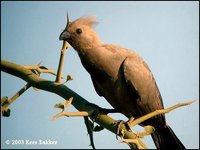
99,110
95,113
119,122
128,127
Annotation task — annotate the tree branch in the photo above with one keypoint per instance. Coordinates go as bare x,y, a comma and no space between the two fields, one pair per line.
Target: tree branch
158,112
86,108
78,102
12,99
61,61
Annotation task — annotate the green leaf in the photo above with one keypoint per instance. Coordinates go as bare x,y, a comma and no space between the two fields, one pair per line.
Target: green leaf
60,105
6,113
43,67
4,100
69,77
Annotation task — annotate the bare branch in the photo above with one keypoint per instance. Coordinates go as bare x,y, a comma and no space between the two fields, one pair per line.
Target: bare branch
86,108
158,112
61,62
12,99
135,141
40,70
78,102
64,106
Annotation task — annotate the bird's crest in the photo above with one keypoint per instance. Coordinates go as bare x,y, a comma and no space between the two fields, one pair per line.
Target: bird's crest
86,20
68,22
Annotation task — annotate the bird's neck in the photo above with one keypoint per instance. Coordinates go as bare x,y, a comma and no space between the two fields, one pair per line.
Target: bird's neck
87,47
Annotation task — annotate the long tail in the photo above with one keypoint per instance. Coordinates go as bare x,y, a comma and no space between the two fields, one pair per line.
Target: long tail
165,138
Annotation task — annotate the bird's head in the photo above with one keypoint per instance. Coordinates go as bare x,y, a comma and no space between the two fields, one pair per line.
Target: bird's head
79,33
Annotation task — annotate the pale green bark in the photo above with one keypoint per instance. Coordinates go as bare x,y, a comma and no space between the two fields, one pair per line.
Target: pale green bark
78,102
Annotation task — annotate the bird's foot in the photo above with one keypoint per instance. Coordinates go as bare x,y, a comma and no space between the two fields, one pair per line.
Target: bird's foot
126,124
99,110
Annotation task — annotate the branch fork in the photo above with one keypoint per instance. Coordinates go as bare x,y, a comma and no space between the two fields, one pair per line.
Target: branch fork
63,106
147,129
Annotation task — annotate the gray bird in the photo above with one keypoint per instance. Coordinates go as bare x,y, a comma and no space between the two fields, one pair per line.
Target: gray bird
122,77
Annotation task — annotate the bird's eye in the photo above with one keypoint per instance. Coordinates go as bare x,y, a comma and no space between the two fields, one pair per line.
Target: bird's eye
78,31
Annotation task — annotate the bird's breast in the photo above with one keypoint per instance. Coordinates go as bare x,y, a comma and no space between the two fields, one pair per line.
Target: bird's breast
110,83
105,71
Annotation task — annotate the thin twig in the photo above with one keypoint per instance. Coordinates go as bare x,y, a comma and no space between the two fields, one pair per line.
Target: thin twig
64,106
139,144
61,61
70,114
158,112
40,70
12,99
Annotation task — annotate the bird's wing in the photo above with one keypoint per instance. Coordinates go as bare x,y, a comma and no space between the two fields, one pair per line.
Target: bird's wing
97,89
140,80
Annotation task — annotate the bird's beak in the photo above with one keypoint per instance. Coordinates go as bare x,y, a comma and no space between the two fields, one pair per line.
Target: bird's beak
64,36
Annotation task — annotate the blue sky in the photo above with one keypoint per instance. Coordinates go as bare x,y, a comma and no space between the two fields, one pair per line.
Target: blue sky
165,34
